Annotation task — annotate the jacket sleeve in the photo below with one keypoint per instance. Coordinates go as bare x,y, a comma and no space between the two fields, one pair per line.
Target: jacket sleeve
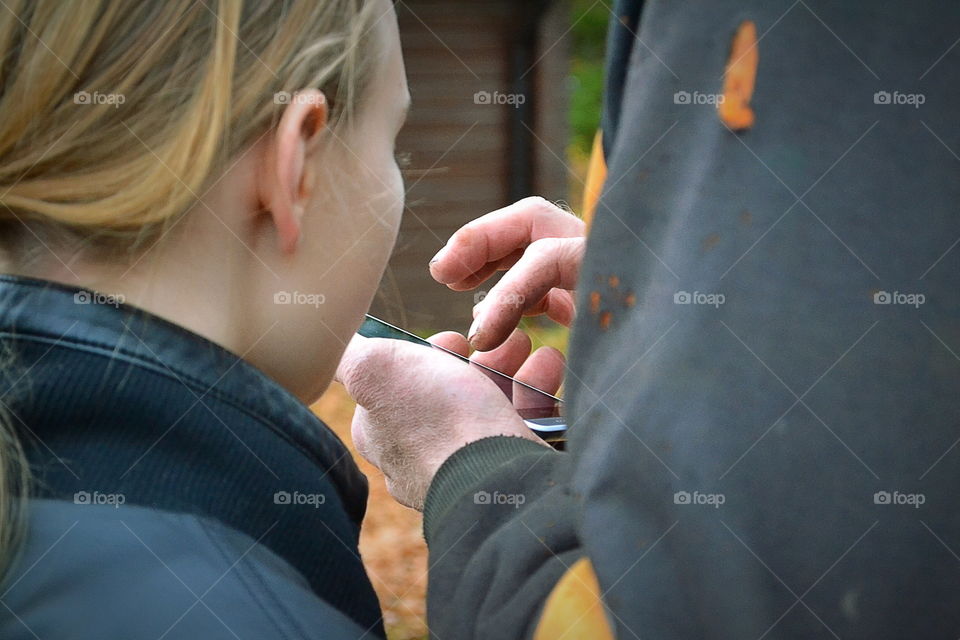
500,523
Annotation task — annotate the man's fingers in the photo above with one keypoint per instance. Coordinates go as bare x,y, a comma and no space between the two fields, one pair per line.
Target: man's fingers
558,304
498,234
477,278
547,264
544,370
508,357
452,341
562,307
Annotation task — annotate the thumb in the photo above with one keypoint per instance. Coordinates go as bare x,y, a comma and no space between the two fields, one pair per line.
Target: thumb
356,370
367,368
358,434
350,354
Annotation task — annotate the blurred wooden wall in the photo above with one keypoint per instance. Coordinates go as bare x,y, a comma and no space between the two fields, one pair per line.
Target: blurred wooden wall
468,157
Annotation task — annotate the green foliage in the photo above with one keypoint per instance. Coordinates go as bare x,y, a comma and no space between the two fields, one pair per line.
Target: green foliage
590,20
589,32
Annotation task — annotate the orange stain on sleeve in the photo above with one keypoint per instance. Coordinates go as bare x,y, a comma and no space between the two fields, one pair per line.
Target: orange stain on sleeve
739,79
614,282
630,300
594,301
605,319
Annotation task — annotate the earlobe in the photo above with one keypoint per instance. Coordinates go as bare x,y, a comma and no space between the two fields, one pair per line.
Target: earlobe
303,119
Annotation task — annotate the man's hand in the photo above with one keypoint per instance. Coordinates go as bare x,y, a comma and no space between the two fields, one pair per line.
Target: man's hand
542,247
416,406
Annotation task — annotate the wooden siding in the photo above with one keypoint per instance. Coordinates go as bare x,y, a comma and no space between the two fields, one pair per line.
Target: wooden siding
459,150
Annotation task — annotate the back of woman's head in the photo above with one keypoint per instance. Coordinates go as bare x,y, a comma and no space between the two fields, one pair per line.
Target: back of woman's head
116,114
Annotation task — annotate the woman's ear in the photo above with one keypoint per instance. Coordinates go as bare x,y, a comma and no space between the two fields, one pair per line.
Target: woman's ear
283,188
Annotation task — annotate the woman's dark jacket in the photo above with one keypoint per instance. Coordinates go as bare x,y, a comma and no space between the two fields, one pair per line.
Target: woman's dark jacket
177,491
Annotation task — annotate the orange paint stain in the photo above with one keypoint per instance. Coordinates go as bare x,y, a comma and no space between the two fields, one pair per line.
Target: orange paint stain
605,319
739,79
594,301
614,282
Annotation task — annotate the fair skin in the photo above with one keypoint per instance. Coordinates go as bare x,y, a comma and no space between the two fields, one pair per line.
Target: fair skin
311,210
305,209
445,405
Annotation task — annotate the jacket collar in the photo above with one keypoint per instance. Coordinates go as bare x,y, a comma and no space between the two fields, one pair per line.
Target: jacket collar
83,320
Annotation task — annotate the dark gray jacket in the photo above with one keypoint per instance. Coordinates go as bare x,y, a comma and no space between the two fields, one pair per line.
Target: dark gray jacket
781,461
178,492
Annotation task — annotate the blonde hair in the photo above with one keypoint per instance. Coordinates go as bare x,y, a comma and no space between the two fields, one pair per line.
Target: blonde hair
118,114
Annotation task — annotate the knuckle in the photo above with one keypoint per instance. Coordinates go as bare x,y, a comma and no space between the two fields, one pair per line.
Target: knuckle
539,203
365,371
544,247
542,206
573,248
464,236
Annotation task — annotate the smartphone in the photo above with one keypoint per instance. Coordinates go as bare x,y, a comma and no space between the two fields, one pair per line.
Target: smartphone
541,411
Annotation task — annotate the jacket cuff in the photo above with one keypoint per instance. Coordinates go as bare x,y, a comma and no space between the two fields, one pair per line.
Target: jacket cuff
461,472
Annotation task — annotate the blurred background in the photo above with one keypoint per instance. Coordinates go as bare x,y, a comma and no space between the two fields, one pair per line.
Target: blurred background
506,102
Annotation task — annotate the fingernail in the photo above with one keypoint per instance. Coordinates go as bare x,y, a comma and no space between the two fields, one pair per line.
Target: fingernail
474,330
436,258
